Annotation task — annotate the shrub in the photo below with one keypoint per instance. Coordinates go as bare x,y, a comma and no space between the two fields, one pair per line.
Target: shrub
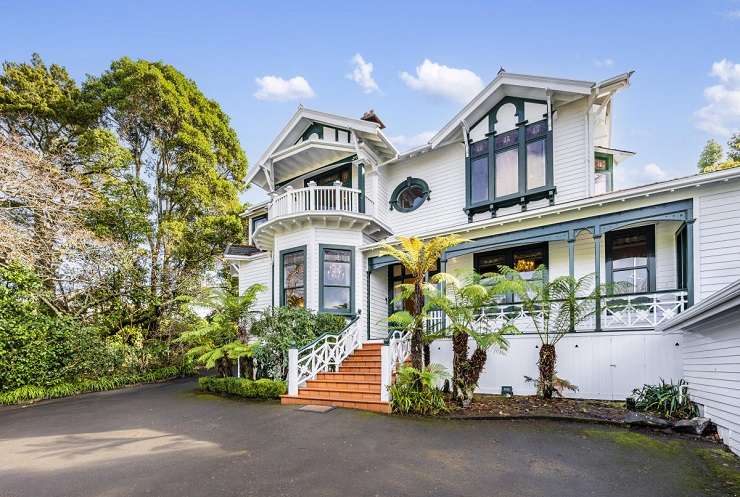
32,393
415,392
242,387
38,347
280,328
665,399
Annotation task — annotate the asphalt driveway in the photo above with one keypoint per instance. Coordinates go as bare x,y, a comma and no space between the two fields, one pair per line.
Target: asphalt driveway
166,440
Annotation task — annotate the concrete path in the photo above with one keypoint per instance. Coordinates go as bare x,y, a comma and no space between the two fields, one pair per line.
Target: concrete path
168,441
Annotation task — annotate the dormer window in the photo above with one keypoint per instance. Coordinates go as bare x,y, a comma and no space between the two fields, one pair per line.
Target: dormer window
510,156
603,173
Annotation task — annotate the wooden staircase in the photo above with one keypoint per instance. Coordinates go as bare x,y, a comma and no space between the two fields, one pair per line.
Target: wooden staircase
356,385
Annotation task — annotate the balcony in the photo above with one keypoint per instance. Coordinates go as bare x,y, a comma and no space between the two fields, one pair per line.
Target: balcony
334,206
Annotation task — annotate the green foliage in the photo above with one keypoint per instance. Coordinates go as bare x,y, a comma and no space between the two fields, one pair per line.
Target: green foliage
665,399
416,392
280,328
710,156
32,393
37,346
253,389
733,147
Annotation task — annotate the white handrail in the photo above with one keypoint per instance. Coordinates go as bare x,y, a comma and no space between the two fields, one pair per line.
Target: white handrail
315,198
392,356
323,354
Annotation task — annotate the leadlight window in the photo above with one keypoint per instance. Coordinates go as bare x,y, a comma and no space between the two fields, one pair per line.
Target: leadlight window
337,279
512,163
293,277
524,259
603,173
409,195
630,259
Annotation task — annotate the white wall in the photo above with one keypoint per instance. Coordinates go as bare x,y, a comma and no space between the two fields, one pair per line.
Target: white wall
378,303
571,152
717,246
603,365
711,365
257,270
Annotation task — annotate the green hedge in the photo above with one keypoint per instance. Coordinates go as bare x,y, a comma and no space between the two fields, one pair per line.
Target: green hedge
242,387
32,393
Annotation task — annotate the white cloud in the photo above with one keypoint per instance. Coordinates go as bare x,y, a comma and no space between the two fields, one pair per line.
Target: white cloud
404,142
734,14
629,175
459,85
721,115
279,89
362,74
607,62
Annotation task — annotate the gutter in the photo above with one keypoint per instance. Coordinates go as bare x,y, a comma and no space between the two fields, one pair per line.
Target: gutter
670,186
716,304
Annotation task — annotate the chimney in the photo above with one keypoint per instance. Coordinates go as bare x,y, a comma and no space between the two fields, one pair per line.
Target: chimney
373,118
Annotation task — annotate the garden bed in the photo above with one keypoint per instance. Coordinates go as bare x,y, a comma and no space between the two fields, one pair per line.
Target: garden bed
521,406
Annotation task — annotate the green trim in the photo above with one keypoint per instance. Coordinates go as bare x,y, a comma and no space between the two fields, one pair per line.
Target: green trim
283,253
523,195
351,310
408,183
361,185
649,232
609,169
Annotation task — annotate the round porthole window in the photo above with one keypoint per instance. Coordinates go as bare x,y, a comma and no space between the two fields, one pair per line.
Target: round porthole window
409,195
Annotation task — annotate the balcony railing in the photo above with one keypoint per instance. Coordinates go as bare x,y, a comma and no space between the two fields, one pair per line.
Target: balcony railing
313,198
618,312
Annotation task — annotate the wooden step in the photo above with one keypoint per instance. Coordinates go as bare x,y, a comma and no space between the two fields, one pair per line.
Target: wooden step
344,376
365,405
360,386
360,361
359,369
366,353
336,394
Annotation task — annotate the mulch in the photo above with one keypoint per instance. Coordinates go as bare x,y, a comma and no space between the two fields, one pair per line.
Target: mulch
500,407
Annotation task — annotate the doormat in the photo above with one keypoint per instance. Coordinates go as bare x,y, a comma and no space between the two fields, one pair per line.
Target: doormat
314,408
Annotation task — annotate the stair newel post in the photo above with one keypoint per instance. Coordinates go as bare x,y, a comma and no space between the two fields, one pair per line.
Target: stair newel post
292,371
386,372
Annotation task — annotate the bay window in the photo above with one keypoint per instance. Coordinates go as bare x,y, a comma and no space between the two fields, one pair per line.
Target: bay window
510,163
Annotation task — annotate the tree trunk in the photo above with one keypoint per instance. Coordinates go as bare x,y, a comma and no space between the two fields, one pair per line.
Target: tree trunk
547,369
459,360
417,360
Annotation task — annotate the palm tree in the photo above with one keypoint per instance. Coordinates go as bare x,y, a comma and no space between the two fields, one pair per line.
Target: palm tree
555,308
419,258
462,301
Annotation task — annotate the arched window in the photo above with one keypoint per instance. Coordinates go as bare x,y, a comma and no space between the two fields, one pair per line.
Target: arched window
409,195
511,163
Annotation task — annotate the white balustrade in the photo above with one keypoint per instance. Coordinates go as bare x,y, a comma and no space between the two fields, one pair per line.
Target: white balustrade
315,198
619,312
392,356
324,354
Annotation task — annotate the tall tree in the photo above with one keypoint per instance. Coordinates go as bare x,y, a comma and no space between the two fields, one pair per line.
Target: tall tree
710,156
733,147
182,181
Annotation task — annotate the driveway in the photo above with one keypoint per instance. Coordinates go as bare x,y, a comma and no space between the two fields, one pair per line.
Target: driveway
166,440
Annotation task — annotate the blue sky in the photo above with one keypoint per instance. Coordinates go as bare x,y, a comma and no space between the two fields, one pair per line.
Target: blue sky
426,57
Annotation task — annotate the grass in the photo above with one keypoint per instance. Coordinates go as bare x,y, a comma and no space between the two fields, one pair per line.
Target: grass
724,466
634,440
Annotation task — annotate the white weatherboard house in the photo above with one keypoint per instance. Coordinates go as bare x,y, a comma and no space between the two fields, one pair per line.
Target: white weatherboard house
523,171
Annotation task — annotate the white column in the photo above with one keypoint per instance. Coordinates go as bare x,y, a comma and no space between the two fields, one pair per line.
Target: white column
290,200
292,371
312,195
386,372
338,195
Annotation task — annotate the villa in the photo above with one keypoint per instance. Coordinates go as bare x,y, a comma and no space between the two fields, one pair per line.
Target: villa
525,173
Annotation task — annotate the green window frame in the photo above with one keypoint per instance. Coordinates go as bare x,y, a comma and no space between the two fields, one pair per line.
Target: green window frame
524,135
283,289
608,172
612,237
257,219
405,185
324,285
319,128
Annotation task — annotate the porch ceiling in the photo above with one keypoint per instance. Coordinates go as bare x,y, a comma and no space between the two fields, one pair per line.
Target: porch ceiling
308,156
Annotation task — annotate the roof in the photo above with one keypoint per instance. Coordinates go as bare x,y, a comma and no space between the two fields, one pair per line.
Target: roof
366,130
716,304
241,250
693,181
